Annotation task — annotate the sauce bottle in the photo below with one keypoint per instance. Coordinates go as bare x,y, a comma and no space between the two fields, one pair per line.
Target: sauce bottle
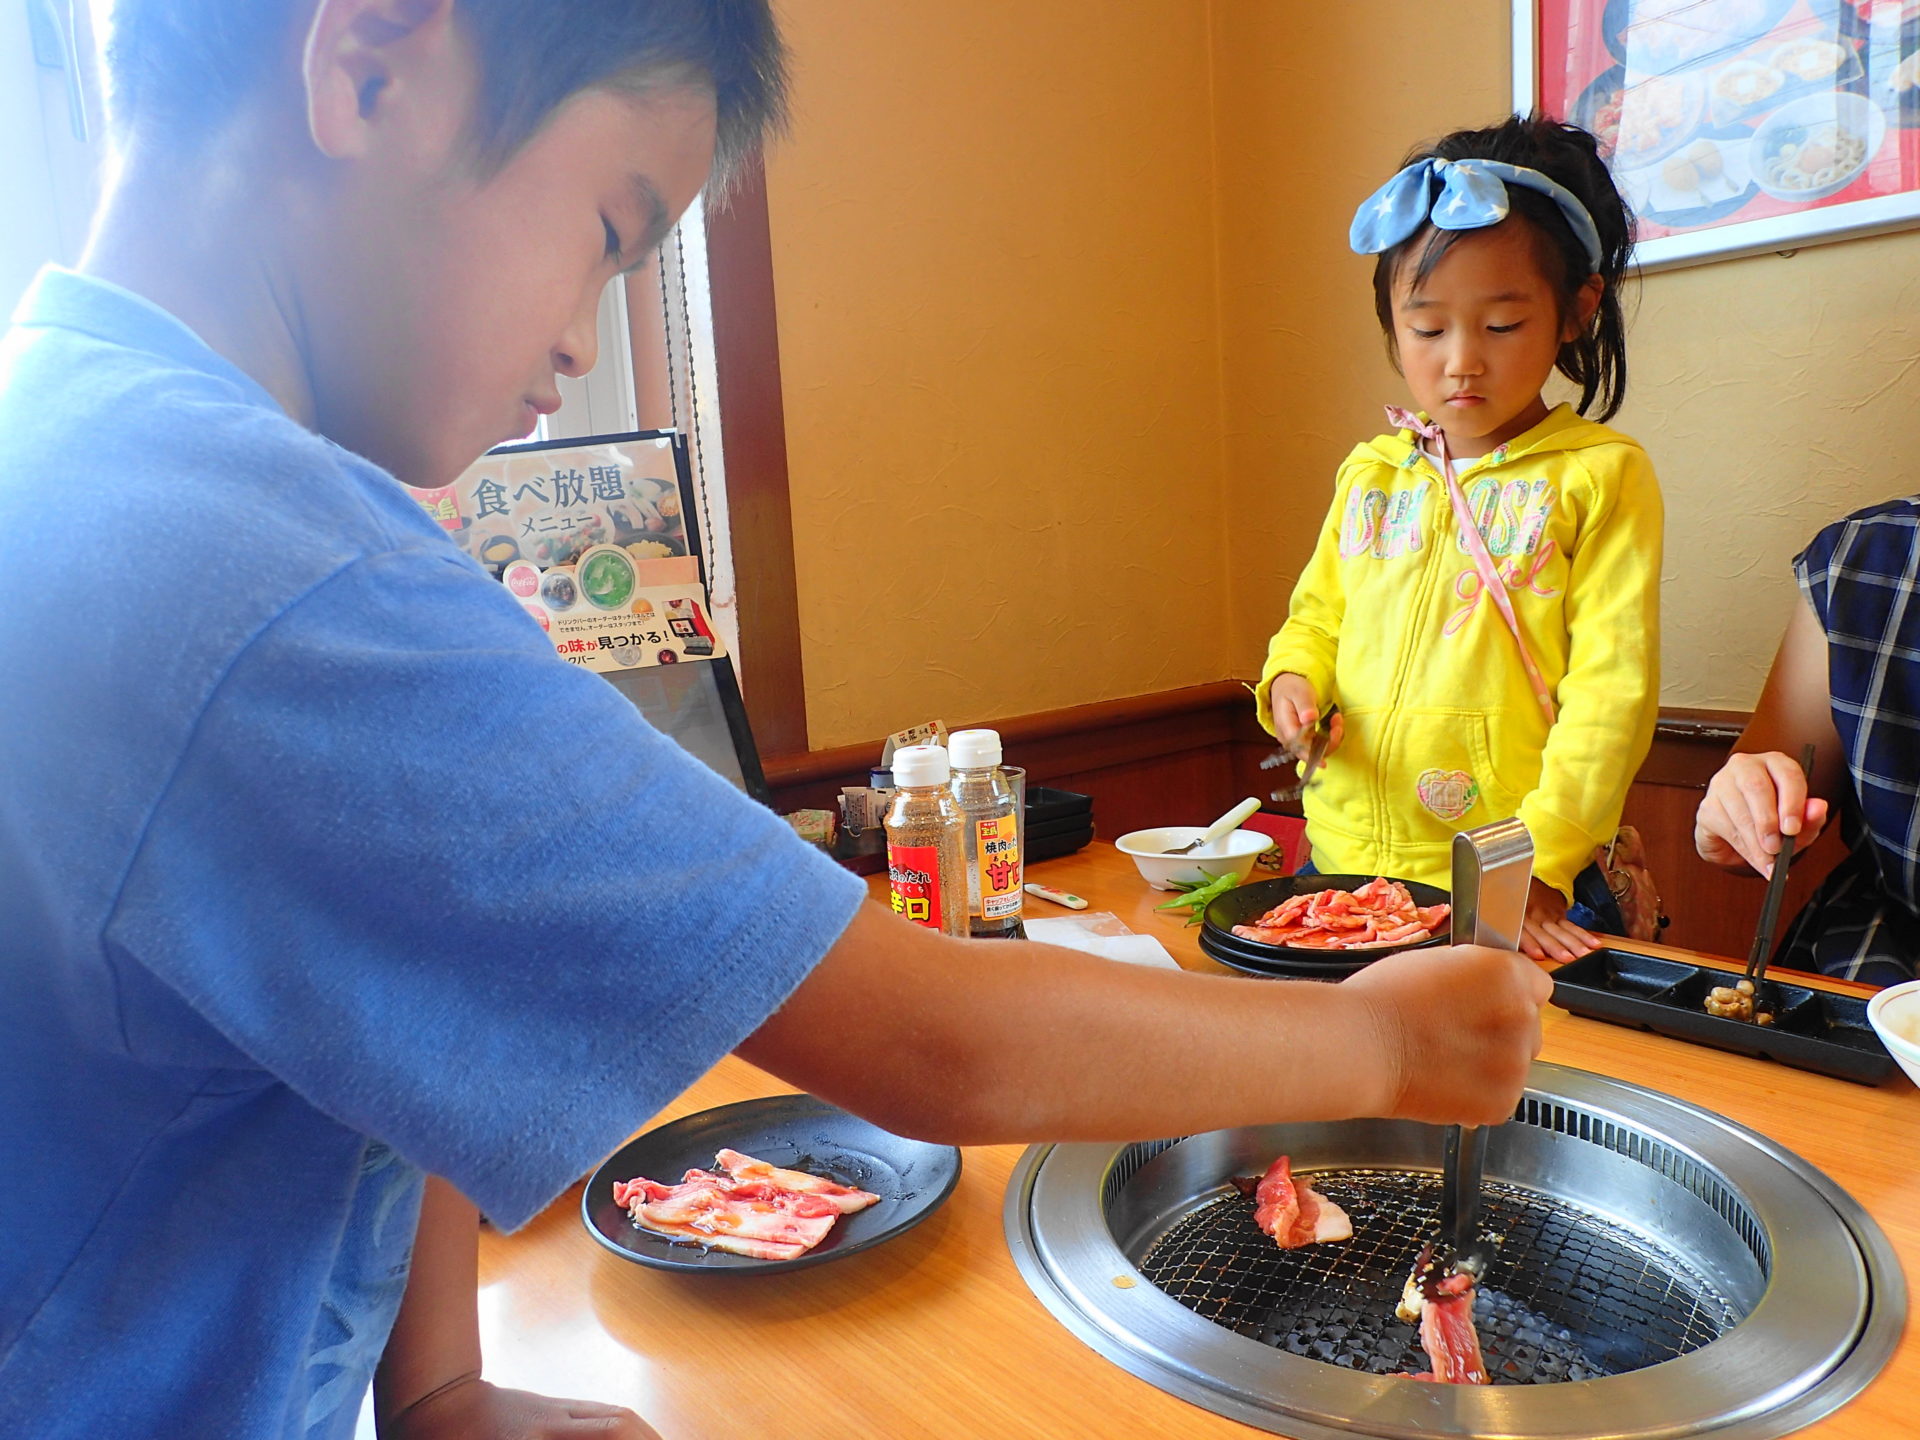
926,851
994,871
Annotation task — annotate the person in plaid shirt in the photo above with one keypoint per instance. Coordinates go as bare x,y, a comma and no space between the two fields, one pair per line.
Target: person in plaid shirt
1847,681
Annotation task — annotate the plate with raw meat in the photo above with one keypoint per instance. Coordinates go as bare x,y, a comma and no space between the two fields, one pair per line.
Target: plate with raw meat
1330,918
793,1179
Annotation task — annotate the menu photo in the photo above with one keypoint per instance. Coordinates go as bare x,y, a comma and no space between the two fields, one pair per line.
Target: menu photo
1737,126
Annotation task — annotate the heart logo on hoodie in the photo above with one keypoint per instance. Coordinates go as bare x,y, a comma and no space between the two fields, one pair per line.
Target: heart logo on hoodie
1448,793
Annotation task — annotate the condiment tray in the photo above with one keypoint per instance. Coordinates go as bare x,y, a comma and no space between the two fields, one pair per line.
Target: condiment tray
1812,1030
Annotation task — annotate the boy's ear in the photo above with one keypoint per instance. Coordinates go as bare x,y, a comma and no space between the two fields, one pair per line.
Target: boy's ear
357,54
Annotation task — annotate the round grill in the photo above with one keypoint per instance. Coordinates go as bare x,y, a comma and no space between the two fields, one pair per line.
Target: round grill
1557,1268
1661,1272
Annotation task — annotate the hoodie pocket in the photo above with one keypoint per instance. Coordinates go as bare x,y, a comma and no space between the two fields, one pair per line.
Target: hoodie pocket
1442,779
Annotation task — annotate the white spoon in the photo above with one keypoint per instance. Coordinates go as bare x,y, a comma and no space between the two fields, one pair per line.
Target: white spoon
1224,825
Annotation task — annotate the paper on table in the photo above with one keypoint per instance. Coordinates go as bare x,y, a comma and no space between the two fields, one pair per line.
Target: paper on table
1101,932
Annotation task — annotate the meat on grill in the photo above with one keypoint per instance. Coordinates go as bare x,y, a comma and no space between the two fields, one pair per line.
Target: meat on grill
1295,1213
1447,1333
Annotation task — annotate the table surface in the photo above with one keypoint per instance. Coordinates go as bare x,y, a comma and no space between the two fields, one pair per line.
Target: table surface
935,1334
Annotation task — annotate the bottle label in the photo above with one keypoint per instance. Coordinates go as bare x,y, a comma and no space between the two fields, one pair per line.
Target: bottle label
999,851
913,874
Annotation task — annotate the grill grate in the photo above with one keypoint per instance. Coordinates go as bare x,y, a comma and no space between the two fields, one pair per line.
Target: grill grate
1570,1296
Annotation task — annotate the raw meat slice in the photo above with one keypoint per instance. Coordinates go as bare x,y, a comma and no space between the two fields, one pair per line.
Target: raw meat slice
844,1198
1295,1213
753,1208
1380,912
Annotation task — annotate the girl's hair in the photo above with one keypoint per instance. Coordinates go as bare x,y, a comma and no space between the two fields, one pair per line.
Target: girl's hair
1596,359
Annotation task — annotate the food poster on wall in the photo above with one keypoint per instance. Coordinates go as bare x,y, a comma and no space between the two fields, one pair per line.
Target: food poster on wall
592,539
1770,120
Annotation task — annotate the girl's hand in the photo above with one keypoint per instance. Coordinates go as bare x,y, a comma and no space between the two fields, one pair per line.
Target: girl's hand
1750,804
1296,710
1547,934
471,1409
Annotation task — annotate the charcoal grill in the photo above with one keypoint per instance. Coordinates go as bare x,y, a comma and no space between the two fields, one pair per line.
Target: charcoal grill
1662,1272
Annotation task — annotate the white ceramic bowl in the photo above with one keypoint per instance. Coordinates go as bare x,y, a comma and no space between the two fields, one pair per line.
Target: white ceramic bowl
1899,1004
1235,852
1854,113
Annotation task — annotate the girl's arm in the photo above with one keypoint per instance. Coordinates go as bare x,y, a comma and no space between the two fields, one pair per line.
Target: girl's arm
1308,644
1609,697
1760,794
428,1386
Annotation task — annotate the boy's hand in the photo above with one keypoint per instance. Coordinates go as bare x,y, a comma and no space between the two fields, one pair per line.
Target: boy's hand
1463,1022
1296,710
471,1409
1547,934
1750,804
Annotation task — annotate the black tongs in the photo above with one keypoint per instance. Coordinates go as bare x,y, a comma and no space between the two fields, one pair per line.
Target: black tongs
1492,868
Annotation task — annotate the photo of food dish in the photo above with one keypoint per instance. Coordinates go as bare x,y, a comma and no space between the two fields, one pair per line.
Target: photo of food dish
1742,84
558,591
1642,123
1810,59
607,577
1816,147
1656,37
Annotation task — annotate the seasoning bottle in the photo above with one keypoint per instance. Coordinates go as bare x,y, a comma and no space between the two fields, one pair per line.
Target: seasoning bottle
994,872
926,852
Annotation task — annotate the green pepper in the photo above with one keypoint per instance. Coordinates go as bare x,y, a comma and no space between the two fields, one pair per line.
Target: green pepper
1198,894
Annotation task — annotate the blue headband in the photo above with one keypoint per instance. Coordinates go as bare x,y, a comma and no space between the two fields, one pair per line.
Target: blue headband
1472,195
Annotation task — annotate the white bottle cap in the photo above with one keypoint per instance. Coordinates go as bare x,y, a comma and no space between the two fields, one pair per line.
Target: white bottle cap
974,749
920,765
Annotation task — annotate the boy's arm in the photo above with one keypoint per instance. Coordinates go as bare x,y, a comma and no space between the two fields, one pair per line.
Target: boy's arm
428,1385
1308,643
1609,697
1760,794
969,1043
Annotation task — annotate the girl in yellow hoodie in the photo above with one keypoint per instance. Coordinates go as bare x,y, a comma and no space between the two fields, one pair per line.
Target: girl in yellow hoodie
1461,702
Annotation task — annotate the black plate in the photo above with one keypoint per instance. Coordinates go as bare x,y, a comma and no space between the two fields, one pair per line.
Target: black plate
1812,1030
1249,902
1239,959
795,1132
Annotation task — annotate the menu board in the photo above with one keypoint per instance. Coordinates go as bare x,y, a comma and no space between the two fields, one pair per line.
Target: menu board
594,539
1737,126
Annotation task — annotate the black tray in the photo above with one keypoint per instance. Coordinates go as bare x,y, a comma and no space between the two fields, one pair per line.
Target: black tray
1065,842
1812,1030
1065,825
1247,903
1044,803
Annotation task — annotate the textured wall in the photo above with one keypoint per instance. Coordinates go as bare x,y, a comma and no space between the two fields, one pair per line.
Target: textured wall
993,249
1773,394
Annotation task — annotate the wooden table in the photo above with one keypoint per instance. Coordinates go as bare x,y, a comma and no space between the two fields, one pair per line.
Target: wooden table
935,1334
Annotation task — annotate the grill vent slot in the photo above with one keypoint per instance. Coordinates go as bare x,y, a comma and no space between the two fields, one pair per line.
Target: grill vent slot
1127,1164
1682,1169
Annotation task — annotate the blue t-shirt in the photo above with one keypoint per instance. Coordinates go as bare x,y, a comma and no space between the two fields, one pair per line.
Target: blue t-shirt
318,870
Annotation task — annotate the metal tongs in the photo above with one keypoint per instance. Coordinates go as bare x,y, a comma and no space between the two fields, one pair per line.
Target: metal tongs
1314,757
1492,867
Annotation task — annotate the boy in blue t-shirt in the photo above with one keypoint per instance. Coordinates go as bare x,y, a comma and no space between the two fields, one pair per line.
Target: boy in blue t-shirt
320,874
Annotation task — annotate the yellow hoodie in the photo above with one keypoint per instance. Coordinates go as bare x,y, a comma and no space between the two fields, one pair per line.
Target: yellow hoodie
1443,730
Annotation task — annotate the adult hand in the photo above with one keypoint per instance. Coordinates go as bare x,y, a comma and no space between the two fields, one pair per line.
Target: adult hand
1463,1022
1546,933
471,1409
1750,804
1296,710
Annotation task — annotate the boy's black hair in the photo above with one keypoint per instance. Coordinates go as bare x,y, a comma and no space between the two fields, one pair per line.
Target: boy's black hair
1596,359
179,67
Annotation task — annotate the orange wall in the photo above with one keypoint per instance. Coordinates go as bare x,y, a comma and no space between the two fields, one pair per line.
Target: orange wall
993,252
